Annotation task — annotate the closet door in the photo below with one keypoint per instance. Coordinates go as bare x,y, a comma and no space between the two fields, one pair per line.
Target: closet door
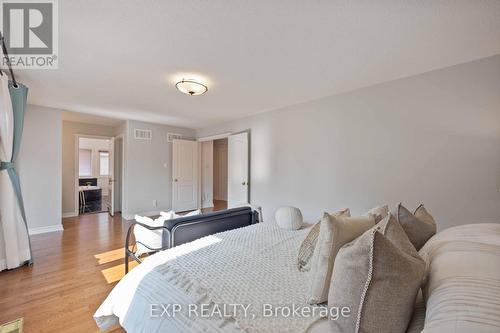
184,175
237,170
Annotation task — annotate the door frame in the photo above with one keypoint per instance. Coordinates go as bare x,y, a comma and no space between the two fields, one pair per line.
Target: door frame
122,171
223,136
77,163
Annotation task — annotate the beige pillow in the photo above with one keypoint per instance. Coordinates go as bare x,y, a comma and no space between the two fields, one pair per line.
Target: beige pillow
378,277
379,213
306,249
334,232
419,226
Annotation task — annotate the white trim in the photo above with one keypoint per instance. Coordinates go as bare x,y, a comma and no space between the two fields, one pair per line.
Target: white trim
69,214
122,164
214,137
3,265
42,230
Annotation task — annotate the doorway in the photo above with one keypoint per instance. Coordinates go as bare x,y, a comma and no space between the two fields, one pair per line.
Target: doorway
225,171
97,189
219,190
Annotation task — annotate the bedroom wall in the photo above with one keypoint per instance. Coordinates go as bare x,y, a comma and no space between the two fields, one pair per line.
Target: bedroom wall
70,129
432,138
148,169
39,166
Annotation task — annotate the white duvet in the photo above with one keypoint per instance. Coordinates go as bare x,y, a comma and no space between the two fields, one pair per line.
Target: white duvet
219,283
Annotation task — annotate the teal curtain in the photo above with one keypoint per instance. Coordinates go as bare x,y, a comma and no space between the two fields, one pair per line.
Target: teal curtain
18,95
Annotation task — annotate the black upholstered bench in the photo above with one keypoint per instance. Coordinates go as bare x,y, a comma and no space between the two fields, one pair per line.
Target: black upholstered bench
186,229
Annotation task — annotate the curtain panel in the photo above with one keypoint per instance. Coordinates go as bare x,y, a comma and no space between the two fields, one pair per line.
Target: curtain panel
15,247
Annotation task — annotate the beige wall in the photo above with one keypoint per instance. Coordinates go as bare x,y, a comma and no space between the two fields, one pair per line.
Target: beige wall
432,138
70,129
39,166
220,169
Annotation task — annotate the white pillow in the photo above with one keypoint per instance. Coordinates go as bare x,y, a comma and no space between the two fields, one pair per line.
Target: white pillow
193,213
173,215
334,232
168,214
152,238
289,218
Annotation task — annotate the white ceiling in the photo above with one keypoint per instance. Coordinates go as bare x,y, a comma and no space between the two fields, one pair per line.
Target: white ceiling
120,58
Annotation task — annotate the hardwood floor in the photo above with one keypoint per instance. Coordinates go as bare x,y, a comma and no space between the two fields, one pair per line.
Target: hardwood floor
218,205
74,271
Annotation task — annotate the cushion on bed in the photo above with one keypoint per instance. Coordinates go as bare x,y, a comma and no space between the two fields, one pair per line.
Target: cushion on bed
289,218
418,318
419,226
378,213
335,231
377,276
463,287
306,249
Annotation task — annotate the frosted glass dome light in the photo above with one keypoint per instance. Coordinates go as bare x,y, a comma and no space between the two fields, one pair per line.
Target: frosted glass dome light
191,87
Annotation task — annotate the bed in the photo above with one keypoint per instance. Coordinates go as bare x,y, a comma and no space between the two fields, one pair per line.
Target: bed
253,266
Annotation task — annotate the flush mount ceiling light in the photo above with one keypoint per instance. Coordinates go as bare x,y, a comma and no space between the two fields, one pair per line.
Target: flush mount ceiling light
191,87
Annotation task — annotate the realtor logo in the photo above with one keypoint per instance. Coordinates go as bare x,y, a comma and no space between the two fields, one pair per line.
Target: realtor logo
30,32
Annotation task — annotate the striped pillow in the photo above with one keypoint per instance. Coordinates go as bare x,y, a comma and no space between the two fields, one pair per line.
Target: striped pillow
306,249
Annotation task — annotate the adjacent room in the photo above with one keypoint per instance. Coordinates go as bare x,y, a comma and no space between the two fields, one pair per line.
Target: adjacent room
250,166
93,174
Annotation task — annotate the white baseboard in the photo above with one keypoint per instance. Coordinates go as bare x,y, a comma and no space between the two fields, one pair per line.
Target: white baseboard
69,214
42,230
3,265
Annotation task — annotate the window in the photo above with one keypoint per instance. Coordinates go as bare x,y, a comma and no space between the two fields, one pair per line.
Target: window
85,162
103,163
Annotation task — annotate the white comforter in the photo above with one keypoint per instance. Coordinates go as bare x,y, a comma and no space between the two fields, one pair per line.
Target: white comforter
245,269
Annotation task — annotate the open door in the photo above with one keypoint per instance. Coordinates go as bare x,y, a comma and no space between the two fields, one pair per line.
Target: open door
184,175
111,179
237,170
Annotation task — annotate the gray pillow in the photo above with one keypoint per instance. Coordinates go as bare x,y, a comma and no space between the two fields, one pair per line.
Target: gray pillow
377,276
419,226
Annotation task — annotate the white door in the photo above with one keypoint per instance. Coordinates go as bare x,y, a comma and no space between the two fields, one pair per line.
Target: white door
111,179
184,175
237,170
